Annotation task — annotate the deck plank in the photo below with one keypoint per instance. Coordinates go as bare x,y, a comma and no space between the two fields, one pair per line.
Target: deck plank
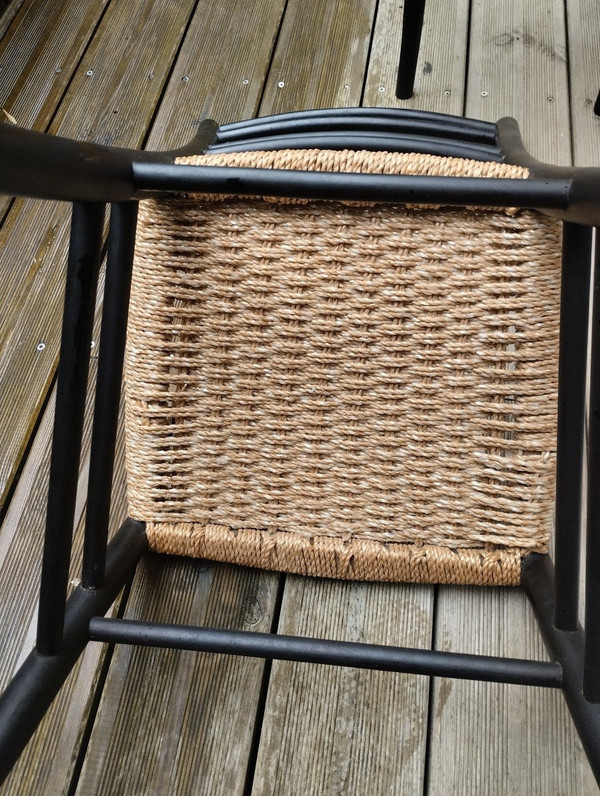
518,67
488,737
111,106
339,730
38,57
183,731
441,67
178,722
320,57
206,84
49,757
33,242
43,38
40,53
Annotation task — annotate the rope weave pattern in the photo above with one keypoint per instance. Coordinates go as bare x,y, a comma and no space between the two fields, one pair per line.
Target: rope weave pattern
351,391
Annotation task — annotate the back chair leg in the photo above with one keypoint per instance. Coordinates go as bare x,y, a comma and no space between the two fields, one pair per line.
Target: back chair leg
121,242
412,24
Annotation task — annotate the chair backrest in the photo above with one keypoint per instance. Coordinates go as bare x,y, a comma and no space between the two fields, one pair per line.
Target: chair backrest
342,389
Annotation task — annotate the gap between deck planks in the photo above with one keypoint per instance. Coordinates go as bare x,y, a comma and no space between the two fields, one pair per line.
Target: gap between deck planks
324,729
38,57
33,255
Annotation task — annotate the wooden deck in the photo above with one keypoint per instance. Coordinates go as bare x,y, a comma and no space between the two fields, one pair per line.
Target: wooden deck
142,74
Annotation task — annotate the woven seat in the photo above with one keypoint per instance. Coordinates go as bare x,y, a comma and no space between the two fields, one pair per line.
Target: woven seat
340,389
325,377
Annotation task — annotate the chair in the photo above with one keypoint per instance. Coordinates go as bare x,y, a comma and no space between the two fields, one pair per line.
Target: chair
301,397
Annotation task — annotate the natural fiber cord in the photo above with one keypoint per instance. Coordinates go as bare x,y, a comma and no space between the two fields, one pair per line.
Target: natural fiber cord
355,391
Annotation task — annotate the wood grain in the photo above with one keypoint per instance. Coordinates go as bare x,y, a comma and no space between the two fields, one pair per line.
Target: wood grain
206,84
38,56
320,57
177,722
49,757
492,738
441,67
517,67
111,100
339,730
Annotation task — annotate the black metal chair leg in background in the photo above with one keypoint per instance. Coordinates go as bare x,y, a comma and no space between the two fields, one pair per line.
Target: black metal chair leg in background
412,24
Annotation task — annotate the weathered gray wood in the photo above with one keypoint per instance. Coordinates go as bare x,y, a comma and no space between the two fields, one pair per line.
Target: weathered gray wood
490,738
440,76
8,11
221,70
49,757
320,57
339,730
517,67
178,722
32,282
497,739
583,23
39,54
111,99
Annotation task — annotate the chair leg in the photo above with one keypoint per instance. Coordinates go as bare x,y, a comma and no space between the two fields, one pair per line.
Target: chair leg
591,672
566,647
412,24
121,240
572,369
80,296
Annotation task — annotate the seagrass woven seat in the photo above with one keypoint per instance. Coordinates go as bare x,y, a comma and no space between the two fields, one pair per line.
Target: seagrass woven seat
345,389
357,344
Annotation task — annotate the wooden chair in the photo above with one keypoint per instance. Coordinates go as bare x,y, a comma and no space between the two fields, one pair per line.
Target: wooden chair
357,376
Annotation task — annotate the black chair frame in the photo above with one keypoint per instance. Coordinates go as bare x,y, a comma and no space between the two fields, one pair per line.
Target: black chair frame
90,177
